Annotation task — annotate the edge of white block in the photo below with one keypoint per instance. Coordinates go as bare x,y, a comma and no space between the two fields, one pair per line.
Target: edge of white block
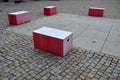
56,33
19,12
96,8
50,6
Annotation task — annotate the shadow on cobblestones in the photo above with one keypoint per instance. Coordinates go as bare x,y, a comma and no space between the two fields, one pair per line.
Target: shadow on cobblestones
19,60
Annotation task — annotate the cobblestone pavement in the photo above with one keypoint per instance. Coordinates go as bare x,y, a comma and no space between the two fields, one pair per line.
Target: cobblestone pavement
20,61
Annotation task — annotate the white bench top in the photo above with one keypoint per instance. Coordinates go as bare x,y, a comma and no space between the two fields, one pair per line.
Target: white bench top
95,8
50,6
53,32
19,12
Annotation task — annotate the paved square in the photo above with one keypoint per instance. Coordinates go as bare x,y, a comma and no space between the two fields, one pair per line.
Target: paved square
91,33
93,36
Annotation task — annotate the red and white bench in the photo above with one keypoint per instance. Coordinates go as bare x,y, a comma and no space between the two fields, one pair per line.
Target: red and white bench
20,17
50,10
55,41
94,11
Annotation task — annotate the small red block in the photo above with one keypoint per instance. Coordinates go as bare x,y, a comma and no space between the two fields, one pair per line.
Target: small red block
55,41
93,11
50,10
20,17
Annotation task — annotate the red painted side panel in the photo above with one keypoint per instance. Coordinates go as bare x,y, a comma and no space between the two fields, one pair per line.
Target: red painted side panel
52,45
12,19
53,11
49,44
23,18
47,11
36,40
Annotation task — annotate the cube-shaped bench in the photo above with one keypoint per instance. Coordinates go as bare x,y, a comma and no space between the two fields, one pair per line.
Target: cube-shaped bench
20,17
50,10
57,42
94,11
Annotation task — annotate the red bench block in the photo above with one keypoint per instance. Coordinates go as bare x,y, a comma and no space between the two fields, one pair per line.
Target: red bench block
93,11
55,41
17,18
50,10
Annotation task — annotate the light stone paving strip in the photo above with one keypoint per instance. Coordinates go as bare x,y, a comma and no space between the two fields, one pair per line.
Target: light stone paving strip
20,61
